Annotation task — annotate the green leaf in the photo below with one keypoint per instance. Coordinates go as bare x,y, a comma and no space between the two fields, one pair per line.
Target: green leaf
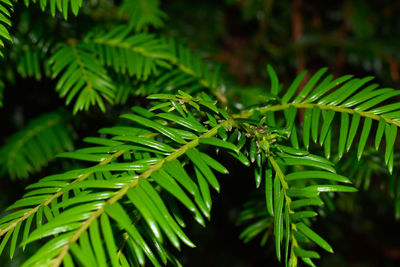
315,123
317,175
326,125
5,239
218,143
205,191
310,85
30,149
175,169
82,156
109,239
27,229
278,225
133,196
379,133
299,215
146,142
258,176
191,124
156,126
277,191
302,193
327,144
290,116
213,163
314,237
344,126
97,244
390,134
307,162
253,151
293,87
288,225
142,15
83,77
268,191
364,137
306,253
321,89
169,184
195,156
353,130
152,193
274,80
14,240
240,157
307,127
306,202
294,151
330,188
155,211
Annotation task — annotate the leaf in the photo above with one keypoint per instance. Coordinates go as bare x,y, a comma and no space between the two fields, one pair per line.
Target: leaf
5,16
274,80
308,162
253,151
156,126
315,123
306,253
218,143
213,163
240,157
390,134
205,191
317,175
97,244
290,115
379,133
309,86
314,237
191,124
4,240
294,151
195,156
307,127
175,169
328,117
144,210
330,188
353,130
159,203
293,87
168,183
268,191
142,14
32,148
364,137
302,193
287,232
109,239
299,215
82,156
296,204
146,142
155,211
82,78
344,126
278,225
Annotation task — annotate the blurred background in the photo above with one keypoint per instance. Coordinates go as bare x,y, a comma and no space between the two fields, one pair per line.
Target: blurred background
347,36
